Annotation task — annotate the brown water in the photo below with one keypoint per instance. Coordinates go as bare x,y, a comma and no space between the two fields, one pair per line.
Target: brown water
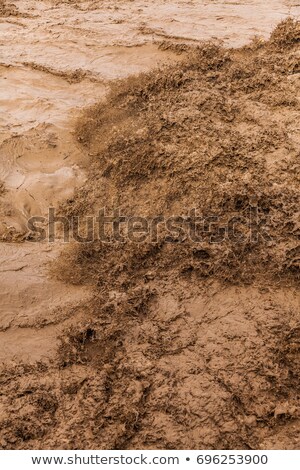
55,59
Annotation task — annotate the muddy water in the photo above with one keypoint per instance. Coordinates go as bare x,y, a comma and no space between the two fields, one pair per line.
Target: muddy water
56,58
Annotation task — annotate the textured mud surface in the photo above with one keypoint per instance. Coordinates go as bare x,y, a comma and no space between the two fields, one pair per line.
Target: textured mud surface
152,345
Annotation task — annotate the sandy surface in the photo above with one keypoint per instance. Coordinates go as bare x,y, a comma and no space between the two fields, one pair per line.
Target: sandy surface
55,59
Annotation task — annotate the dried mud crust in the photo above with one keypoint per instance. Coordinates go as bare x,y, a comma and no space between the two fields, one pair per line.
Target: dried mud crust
183,346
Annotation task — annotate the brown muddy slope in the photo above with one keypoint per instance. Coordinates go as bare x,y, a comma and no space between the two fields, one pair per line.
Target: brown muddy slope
52,64
184,344
7,8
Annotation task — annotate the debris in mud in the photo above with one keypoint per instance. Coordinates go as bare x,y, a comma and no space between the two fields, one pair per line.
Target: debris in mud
186,344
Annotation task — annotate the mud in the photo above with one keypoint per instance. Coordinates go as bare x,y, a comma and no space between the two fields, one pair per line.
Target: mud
149,346
44,85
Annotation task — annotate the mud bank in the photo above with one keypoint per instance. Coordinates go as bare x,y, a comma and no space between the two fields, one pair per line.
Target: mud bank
44,84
